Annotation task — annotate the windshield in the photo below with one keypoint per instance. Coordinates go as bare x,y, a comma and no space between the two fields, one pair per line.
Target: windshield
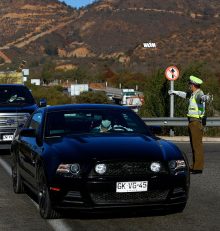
12,95
94,122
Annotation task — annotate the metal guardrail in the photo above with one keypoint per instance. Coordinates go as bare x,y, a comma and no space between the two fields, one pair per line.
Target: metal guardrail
178,121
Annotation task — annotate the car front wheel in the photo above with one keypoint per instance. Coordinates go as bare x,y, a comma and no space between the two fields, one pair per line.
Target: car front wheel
45,207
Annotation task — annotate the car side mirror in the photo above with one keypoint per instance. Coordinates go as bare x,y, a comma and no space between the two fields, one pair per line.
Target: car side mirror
43,102
28,132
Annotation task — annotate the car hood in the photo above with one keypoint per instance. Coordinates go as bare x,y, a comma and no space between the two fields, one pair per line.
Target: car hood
108,147
22,108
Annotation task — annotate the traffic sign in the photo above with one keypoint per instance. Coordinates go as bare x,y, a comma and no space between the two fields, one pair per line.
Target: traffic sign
172,73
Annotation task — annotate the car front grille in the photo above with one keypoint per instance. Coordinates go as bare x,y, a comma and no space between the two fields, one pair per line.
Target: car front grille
12,120
126,168
6,130
129,198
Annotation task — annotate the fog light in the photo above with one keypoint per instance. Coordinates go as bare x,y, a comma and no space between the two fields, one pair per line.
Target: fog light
177,164
101,169
172,164
74,168
155,166
180,164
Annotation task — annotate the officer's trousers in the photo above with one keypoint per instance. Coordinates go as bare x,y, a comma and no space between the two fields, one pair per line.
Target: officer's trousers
195,129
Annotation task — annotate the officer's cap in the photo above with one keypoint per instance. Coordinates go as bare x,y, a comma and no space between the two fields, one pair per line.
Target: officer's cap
194,80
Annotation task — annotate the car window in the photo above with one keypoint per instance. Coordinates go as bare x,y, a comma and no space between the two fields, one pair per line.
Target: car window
91,121
11,95
36,121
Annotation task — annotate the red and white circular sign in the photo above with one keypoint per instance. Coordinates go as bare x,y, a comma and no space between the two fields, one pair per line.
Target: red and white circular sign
172,73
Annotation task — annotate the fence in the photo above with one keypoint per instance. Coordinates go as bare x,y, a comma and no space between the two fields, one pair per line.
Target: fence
178,121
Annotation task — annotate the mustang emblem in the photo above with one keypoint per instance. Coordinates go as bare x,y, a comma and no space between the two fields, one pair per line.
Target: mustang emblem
128,167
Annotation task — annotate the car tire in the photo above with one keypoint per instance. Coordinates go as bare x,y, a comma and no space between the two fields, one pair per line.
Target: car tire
18,186
44,201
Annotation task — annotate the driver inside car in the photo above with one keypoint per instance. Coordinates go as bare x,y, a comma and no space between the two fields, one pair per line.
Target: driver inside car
104,126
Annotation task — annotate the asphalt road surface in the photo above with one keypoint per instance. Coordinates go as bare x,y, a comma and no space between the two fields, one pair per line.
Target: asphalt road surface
19,212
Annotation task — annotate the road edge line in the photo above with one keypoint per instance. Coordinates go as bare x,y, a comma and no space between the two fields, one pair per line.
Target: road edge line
56,224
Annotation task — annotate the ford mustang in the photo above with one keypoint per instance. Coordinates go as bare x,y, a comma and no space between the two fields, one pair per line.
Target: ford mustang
97,157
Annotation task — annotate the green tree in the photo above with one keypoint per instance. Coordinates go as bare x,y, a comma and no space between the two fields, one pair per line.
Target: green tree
156,96
92,97
51,50
53,95
1,60
48,71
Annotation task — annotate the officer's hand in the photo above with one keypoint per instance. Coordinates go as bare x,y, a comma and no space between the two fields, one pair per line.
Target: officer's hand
172,92
206,98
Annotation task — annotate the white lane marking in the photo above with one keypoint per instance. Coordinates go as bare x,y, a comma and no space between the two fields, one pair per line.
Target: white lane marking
57,224
6,167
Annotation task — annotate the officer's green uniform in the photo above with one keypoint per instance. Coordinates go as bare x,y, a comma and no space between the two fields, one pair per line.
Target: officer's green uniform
195,114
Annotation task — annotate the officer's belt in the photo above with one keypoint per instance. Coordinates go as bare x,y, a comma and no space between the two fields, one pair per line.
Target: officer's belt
191,119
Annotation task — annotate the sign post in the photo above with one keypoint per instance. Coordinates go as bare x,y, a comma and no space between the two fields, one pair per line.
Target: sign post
172,73
172,99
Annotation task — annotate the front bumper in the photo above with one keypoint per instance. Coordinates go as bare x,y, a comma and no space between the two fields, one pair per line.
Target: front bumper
5,145
100,193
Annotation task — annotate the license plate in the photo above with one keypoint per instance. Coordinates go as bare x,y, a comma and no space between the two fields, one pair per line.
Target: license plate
132,186
7,137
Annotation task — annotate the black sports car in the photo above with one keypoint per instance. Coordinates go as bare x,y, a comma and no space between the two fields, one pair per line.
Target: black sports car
96,157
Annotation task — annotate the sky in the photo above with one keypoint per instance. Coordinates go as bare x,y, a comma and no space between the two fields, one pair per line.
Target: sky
77,3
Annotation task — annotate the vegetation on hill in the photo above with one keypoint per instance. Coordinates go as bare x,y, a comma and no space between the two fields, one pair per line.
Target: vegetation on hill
53,95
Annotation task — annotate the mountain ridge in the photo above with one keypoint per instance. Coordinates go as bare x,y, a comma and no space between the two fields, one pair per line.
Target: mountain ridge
112,32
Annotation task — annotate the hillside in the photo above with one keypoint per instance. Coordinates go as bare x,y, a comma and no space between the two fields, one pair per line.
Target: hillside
112,32
25,22
184,31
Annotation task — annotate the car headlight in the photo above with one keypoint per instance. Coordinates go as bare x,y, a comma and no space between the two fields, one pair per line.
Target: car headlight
73,169
155,167
177,164
101,169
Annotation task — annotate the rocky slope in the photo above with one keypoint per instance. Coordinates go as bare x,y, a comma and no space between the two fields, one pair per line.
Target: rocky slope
113,32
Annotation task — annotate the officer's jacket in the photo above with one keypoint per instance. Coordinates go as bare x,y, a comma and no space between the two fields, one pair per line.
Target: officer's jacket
196,107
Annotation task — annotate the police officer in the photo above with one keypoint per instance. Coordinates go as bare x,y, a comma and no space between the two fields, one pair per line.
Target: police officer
196,118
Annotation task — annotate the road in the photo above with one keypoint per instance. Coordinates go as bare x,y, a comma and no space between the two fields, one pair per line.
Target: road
20,213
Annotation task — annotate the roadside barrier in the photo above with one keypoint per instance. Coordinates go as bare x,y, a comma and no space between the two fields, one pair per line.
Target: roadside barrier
178,121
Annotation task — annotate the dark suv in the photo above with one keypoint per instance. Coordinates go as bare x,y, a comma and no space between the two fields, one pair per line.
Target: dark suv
16,105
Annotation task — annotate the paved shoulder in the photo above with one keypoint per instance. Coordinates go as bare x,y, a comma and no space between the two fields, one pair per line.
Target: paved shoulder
16,210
